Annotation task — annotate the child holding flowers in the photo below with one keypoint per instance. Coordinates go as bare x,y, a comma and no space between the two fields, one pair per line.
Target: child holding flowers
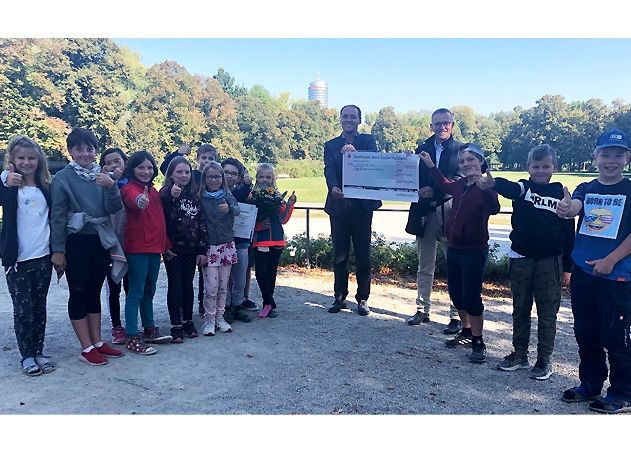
269,239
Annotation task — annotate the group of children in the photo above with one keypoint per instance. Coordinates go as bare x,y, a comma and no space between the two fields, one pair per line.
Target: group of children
107,220
102,220
546,255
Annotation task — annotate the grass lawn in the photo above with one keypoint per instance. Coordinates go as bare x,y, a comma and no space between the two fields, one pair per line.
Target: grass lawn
313,190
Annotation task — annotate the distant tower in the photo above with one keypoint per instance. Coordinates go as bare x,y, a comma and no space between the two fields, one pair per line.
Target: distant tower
318,90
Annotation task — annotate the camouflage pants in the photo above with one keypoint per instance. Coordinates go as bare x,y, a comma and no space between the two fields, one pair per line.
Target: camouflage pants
541,278
28,285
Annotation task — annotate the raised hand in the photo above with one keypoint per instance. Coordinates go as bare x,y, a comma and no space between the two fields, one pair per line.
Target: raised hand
487,182
143,199
14,179
103,178
427,160
117,173
563,207
292,198
223,207
184,149
247,179
175,190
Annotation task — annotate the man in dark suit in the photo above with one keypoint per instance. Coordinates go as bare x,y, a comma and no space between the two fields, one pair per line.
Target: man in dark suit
351,219
428,217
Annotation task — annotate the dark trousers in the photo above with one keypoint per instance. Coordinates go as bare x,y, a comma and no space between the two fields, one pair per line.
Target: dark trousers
353,225
465,273
180,275
114,298
28,285
541,279
602,321
87,265
265,269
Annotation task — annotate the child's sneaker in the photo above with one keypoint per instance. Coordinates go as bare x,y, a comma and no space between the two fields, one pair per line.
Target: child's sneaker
189,329
93,357
106,350
152,335
208,329
177,335
265,311
513,362
541,370
239,314
478,353
250,305
223,326
462,339
228,316
118,335
136,345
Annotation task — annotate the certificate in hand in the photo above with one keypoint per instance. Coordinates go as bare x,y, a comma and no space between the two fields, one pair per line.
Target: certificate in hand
245,221
380,176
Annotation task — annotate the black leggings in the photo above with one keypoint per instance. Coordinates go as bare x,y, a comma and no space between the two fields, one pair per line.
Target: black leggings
114,298
87,265
266,267
180,275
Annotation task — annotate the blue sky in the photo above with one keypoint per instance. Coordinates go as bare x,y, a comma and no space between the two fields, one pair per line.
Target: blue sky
490,75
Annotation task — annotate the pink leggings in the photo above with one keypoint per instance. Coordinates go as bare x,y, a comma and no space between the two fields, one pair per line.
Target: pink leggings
215,290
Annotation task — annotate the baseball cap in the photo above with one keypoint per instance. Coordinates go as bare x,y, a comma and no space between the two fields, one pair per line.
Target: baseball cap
475,148
613,138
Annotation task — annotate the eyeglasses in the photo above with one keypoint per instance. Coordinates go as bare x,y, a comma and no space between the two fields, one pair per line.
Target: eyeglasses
442,124
234,174
213,177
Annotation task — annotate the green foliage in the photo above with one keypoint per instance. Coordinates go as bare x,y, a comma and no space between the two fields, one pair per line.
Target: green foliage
387,258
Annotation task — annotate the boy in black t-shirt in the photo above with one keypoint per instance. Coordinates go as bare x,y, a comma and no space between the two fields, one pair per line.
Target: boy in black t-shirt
540,261
600,286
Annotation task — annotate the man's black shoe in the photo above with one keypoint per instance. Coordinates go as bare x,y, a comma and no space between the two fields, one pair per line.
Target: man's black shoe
362,308
338,305
453,327
418,318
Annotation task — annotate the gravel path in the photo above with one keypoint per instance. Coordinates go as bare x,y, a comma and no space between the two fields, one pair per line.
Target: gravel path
306,361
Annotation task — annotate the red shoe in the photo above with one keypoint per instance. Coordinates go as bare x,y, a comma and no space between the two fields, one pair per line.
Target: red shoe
93,357
265,311
108,351
118,335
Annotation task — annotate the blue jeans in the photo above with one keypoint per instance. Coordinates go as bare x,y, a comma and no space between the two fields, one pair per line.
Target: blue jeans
465,273
602,321
143,275
237,275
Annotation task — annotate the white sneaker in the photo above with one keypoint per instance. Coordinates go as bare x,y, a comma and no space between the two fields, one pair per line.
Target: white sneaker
223,326
208,329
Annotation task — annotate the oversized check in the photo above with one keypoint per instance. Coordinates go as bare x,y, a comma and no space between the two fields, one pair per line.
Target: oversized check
380,176
245,221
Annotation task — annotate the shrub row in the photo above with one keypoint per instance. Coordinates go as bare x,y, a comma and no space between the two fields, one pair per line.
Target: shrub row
387,258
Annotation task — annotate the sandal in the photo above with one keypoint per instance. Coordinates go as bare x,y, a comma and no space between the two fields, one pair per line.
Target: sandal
30,367
577,394
610,406
44,363
136,344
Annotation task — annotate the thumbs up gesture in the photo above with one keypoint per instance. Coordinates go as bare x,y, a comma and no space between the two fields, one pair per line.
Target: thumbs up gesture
143,199
176,190
427,160
14,179
563,207
103,178
292,198
487,182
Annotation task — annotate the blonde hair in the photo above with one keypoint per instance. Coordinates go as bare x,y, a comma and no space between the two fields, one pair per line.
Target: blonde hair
42,175
212,165
265,166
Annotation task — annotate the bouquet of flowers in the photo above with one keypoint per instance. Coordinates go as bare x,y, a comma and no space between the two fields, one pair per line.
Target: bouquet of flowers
267,200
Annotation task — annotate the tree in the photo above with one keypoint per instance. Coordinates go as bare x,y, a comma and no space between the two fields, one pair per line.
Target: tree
228,84
388,130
